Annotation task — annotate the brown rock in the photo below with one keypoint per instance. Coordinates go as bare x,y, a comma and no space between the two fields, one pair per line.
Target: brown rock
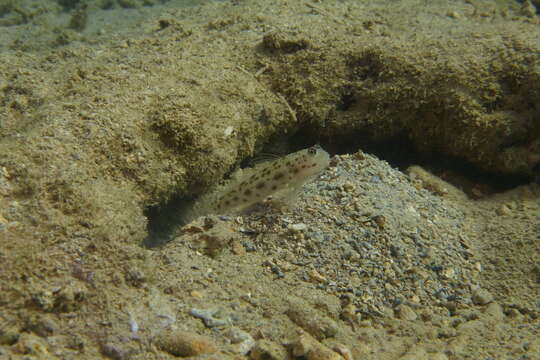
310,349
321,327
183,343
495,311
404,312
31,344
343,351
482,297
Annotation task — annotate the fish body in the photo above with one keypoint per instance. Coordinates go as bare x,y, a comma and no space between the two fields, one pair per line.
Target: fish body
280,179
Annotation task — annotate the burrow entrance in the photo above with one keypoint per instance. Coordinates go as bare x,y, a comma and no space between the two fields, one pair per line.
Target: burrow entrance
399,152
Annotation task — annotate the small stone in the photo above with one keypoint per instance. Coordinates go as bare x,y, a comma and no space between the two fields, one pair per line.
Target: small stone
349,314
404,312
43,326
196,294
536,272
9,332
183,343
513,313
317,325
343,351
503,210
65,299
268,350
249,245
241,341
211,317
482,297
297,227
212,243
310,349
113,351
43,299
238,248
191,229
380,220
528,9
450,305
448,273
478,266
228,131
32,345
495,311
316,276
457,344
427,315
348,187
135,277
359,156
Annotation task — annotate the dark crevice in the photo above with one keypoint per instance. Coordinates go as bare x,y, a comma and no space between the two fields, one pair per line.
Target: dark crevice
68,4
399,152
346,101
163,221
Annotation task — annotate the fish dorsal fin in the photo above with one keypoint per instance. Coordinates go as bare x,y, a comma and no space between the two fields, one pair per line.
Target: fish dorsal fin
263,158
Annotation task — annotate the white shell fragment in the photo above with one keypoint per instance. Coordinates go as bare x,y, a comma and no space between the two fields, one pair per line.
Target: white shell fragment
228,131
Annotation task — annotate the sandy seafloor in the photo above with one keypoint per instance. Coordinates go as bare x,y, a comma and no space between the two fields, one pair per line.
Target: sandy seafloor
114,114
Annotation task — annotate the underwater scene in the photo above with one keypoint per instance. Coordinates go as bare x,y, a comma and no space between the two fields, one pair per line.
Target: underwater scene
270,179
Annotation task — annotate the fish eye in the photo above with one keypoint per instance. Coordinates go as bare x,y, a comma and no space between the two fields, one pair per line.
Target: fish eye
312,150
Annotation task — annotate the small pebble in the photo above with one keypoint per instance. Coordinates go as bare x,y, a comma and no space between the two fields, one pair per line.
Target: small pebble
241,341
313,322
113,351
210,317
495,311
297,227
184,343
31,344
308,348
404,312
482,297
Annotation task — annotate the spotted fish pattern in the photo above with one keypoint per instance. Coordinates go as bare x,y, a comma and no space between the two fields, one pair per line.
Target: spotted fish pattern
280,178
